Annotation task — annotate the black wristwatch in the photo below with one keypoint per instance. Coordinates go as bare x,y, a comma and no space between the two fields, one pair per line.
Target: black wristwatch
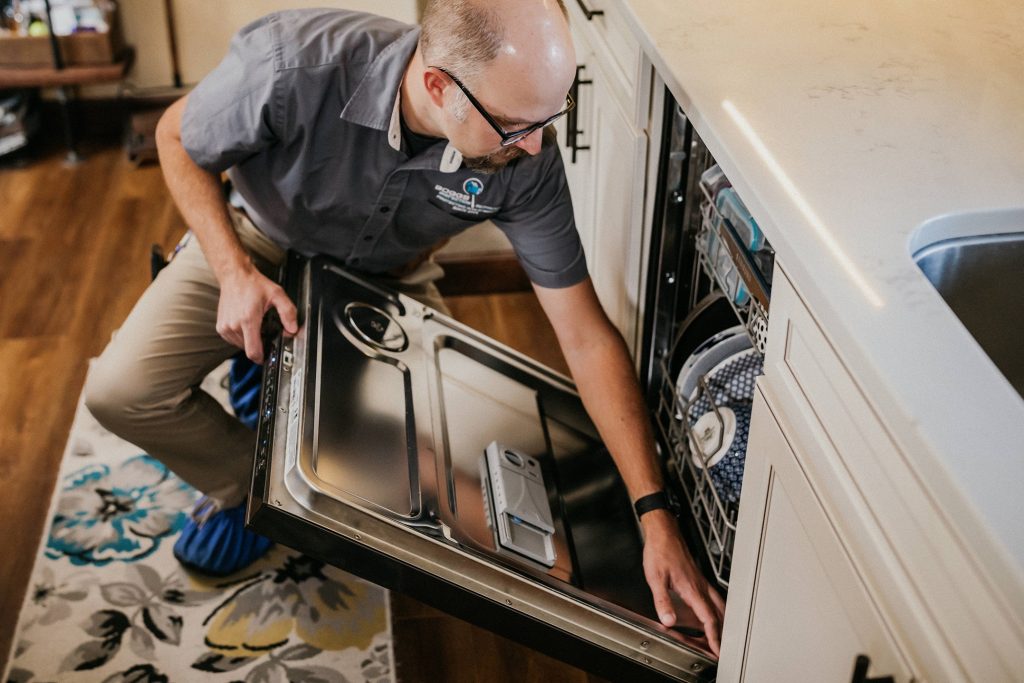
659,500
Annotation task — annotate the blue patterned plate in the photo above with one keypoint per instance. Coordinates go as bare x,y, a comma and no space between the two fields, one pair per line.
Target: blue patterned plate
731,385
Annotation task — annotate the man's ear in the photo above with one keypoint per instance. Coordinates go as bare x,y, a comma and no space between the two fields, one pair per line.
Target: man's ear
435,82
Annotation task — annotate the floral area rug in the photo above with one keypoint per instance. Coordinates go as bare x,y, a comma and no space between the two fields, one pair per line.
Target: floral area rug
108,602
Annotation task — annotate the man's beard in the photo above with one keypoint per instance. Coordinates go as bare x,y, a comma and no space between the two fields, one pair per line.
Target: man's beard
492,163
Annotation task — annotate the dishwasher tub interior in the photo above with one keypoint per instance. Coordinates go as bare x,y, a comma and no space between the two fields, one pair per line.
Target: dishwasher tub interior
702,282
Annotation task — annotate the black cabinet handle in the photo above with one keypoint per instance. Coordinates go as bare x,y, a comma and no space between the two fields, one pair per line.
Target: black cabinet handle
589,13
860,672
572,130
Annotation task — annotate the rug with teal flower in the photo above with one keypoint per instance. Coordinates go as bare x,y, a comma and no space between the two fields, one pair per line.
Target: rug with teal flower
108,602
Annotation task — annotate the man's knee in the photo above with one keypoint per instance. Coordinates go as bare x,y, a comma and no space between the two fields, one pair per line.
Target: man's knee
113,395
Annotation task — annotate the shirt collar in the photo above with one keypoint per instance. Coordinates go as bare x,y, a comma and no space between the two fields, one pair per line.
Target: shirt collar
377,100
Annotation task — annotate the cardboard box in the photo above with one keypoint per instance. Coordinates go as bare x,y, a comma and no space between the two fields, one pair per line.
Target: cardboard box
77,49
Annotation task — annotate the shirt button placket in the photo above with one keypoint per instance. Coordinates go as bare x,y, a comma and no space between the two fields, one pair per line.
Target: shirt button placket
379,220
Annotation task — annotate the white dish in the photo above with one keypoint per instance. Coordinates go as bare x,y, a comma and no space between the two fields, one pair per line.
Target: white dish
714,437
708,355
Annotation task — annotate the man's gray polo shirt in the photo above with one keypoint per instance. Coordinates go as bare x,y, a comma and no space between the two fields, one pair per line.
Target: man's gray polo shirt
303,113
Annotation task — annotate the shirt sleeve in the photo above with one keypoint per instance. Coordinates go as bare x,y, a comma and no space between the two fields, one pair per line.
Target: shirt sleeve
234,112
537,218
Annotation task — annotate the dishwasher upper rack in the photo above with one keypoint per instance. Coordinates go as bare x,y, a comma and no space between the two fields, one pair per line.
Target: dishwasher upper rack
753,311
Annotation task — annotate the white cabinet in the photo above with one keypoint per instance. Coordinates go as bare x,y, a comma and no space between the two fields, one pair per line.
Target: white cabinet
606,171
949,619
618,152
798,610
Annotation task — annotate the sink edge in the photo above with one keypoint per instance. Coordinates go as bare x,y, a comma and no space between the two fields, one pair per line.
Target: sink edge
965,224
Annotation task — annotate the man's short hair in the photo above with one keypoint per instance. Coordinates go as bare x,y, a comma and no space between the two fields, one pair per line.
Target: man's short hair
462,36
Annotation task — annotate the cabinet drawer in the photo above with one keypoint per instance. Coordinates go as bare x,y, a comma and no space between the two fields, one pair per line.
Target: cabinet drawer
952,620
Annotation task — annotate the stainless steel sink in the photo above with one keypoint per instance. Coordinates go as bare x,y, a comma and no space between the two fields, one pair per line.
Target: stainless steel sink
981,277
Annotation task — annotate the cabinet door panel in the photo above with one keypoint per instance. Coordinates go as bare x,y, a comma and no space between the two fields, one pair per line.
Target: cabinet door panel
611,30
806,610
607,176
619,155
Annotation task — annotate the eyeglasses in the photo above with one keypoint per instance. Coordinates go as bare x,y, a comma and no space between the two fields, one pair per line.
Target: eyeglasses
507,137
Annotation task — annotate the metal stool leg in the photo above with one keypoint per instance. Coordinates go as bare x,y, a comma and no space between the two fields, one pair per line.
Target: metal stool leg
70,140
62,92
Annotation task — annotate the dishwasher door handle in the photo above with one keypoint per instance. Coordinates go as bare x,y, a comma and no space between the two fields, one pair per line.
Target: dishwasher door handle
860,672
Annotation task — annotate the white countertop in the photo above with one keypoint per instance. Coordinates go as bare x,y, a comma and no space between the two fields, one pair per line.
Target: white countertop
844,127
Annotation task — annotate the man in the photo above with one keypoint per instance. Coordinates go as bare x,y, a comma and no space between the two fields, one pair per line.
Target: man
344,133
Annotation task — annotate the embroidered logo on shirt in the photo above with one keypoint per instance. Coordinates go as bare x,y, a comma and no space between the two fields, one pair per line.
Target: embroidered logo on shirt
473,187
466,201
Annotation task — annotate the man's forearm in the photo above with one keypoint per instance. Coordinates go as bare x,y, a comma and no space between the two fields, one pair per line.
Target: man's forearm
614,402
199,197
612,398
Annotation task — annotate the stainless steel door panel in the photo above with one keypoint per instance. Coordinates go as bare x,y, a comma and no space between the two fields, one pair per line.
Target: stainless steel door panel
371,439
363,440
342,379
476,403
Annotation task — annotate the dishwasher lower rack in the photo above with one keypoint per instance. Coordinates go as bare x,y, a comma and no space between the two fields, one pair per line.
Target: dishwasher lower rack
715,517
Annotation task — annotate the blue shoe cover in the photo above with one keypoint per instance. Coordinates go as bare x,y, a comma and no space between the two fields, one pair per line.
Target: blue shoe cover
244,382
221,545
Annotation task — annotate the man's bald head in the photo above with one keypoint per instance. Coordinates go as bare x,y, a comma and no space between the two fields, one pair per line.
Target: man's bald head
517,58
466,36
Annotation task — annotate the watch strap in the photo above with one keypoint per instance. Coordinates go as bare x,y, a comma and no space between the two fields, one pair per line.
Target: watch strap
658,500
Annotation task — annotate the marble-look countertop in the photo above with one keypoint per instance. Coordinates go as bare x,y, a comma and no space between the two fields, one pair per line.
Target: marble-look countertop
845,127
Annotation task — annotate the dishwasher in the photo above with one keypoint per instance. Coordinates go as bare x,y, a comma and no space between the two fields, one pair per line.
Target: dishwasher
417,453
706,322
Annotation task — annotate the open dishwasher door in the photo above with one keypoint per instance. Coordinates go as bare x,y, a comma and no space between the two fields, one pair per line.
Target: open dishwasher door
414,452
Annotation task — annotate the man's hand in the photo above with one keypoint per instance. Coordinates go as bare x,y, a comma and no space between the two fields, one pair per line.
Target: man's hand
245,297
669,567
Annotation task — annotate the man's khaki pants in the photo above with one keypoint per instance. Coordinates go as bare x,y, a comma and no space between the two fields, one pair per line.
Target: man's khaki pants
145,385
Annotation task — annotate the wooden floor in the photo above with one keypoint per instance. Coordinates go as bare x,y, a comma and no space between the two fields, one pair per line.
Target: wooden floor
74,245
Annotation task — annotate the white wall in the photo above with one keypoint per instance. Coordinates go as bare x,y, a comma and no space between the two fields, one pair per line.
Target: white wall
143,23
204,29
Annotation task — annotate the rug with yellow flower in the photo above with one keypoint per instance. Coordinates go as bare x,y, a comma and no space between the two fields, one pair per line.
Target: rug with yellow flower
108,602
